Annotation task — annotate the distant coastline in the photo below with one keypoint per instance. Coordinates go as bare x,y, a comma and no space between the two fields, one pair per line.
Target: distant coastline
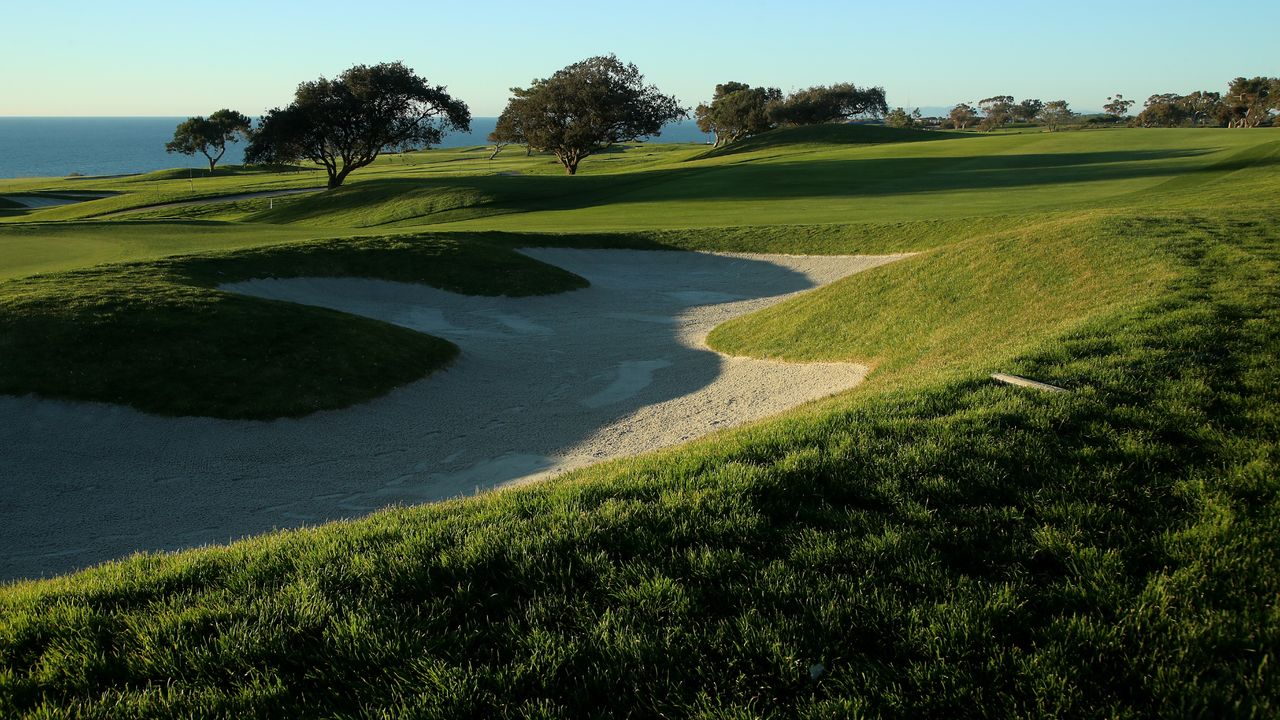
62,146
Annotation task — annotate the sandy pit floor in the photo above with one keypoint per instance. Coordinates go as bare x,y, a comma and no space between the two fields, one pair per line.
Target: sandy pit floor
542,385
36,202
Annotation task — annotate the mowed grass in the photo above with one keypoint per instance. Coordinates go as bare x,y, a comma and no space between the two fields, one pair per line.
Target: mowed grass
34,248
932,544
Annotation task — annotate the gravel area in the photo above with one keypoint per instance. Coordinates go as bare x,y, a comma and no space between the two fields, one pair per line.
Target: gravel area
542,385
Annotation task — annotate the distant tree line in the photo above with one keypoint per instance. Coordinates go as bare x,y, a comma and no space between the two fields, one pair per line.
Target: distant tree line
1248,103
999,111
345,123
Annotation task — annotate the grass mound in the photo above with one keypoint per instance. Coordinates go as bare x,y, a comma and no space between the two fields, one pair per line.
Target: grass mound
951,548
828,134
961,303
157,335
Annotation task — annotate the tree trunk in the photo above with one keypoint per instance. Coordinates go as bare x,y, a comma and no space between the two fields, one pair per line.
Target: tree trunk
336,178
212,162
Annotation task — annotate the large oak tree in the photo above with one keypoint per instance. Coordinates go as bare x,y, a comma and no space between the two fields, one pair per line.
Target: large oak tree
585,108
346,122
208,135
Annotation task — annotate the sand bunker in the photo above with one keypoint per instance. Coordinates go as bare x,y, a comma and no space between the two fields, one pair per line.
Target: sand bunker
542,385
36,202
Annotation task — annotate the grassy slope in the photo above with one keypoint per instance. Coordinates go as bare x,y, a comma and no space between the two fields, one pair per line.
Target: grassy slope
823,136
32,248
939,544
957,306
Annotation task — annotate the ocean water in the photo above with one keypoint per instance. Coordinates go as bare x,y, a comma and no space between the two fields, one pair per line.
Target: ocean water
60,146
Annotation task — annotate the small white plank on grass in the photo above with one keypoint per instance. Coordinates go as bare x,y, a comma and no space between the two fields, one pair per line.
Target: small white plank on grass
1026,382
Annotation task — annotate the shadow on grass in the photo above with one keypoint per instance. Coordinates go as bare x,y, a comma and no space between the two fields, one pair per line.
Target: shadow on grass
829,134
386,201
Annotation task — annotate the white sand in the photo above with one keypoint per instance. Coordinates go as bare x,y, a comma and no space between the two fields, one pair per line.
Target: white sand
542,385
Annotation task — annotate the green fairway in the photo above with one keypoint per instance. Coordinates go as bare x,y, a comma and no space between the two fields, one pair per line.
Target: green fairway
930,544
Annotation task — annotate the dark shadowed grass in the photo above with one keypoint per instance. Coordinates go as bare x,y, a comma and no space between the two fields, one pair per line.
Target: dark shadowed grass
829,134
159,336
940,547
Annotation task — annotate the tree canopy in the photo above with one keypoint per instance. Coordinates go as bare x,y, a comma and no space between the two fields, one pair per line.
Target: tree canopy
1200,108
828,103
1248,103
208,135
1028,110
345,123
584,108
737,110
1117,107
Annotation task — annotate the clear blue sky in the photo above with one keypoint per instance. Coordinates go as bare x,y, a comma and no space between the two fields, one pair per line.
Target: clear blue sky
146,57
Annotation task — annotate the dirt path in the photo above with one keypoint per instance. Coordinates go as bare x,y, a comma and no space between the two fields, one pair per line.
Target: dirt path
542,385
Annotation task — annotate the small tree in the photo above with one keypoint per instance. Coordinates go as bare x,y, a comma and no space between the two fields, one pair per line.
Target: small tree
736,111
208,136
963,115
1117,107
345,123
1028,110
584,108
1055,113
900,118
